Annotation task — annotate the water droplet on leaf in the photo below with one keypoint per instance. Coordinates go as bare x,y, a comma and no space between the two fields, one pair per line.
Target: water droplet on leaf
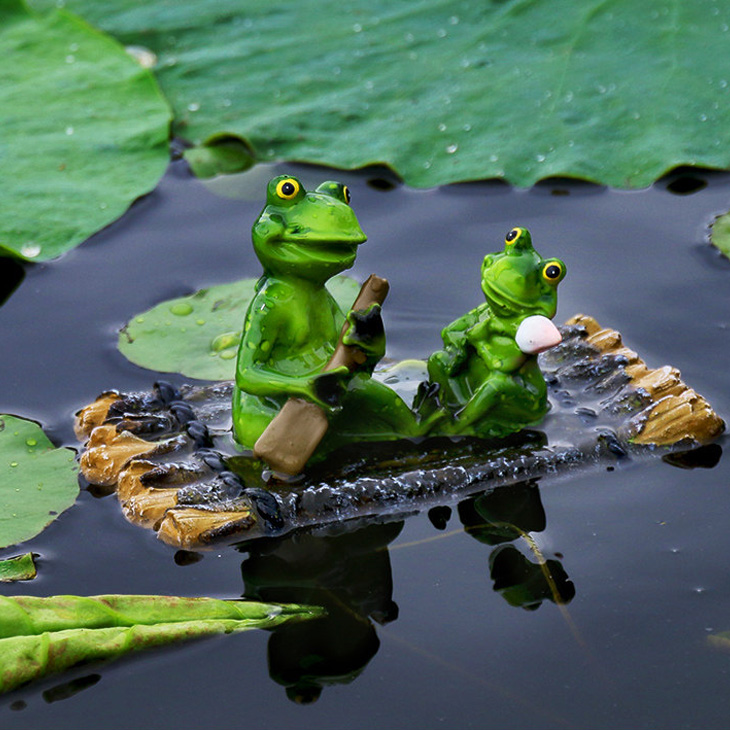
30,250
225,341
181,309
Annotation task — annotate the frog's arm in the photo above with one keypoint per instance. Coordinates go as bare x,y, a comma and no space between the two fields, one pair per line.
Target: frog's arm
256,373
456,344
337,312
454,334
499,353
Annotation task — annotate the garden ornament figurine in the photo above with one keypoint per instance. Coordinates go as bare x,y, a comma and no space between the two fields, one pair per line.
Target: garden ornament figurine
486,381
293,326
304,367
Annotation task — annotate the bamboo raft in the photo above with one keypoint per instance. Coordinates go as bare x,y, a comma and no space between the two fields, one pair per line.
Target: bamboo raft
170,458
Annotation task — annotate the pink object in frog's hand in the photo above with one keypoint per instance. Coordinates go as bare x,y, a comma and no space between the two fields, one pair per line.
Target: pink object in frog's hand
537,334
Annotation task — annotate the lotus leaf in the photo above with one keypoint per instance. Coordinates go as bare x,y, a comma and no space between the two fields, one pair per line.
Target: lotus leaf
38,480
720,233
84,131
613,91
198,335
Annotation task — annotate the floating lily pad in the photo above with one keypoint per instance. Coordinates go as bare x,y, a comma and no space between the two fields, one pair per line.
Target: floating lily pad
84,131
198,335
720,233
41,636
20,567
38,480
220,155
614,91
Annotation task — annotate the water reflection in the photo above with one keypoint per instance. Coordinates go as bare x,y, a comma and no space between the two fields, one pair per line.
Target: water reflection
509,515
350,575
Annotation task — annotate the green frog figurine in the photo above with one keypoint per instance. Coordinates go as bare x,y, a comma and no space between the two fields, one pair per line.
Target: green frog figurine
486,382
292,326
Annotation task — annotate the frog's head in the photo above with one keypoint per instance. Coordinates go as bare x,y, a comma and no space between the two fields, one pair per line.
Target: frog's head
312,235
518,282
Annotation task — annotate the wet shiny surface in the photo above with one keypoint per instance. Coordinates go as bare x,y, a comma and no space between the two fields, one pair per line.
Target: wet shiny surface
444,619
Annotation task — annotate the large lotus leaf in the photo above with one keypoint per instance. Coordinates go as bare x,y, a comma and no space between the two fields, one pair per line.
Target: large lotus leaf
198,335
83,131
614,91
37,480
40,636
720,233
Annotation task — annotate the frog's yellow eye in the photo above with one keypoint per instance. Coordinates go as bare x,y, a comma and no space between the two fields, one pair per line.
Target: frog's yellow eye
346,194
552,272
288,189
513,235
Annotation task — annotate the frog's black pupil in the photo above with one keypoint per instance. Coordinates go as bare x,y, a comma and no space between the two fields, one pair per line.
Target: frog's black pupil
552,272
512,234
346,191
288,188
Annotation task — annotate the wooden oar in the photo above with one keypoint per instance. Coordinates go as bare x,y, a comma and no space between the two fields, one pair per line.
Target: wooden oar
295,432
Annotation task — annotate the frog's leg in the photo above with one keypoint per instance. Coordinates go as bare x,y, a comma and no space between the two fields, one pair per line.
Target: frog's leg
371,411
503,403
251,416
443,365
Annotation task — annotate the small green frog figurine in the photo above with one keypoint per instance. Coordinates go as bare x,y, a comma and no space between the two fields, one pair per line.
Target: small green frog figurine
486,381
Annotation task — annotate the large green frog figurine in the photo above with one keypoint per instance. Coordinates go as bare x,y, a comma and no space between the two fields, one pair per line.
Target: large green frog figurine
292,326
486,381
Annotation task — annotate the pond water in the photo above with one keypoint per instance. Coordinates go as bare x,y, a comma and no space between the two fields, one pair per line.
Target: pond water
431,624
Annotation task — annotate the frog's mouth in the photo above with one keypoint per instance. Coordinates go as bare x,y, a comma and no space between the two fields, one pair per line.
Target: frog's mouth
503,302
322,250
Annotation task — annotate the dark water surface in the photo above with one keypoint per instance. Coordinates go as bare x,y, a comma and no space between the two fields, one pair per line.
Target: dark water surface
431,624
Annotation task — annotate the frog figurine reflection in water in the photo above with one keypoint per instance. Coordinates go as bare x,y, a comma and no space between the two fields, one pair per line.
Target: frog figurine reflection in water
486,381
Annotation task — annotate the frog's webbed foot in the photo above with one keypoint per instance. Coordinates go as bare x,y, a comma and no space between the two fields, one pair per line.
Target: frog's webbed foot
428,408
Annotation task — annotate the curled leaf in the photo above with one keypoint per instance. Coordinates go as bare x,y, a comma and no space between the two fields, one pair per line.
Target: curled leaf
20,567
41,636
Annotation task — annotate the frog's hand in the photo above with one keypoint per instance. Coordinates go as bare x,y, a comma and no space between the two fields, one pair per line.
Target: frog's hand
366,332
329,387
537,334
